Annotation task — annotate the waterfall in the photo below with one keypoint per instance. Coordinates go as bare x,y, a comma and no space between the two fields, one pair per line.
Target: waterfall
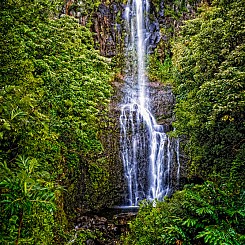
146,150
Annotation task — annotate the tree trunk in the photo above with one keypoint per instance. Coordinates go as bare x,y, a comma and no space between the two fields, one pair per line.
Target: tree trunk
19,229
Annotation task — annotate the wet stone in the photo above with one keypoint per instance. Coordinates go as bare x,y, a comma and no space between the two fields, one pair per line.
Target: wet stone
111,228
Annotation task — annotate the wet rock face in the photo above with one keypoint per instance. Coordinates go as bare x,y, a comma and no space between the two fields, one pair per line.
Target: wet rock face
91,222
107,24
162,103
111,142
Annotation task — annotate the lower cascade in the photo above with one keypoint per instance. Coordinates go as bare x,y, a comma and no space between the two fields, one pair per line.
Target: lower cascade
147,151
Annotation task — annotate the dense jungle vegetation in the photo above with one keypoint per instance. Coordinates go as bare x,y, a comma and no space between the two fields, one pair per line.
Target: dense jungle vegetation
208,75
54,92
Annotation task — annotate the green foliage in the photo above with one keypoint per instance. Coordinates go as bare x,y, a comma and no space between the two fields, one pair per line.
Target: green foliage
54,92
173,8
200,214
26,196
160,63
79,237
86,7
160,70
209,75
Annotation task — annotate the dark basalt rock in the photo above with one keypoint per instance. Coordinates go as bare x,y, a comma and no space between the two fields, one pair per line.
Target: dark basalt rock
108,26
111,228
162,103
108,23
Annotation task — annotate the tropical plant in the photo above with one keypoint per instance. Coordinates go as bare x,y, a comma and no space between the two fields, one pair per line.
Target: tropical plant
199,214
209,74
54,91
27,201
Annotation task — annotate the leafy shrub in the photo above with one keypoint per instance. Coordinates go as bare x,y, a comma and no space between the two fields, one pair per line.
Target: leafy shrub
27,201
200,214
208,79
54,91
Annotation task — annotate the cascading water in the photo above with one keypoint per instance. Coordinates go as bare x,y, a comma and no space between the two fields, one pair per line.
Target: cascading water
147,152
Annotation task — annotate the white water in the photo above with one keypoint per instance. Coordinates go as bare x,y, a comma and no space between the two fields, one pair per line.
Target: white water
147,152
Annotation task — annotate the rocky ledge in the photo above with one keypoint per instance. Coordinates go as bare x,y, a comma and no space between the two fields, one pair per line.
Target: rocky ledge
107,230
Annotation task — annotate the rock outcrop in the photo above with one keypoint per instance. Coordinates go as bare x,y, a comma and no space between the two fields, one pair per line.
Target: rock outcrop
107,229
